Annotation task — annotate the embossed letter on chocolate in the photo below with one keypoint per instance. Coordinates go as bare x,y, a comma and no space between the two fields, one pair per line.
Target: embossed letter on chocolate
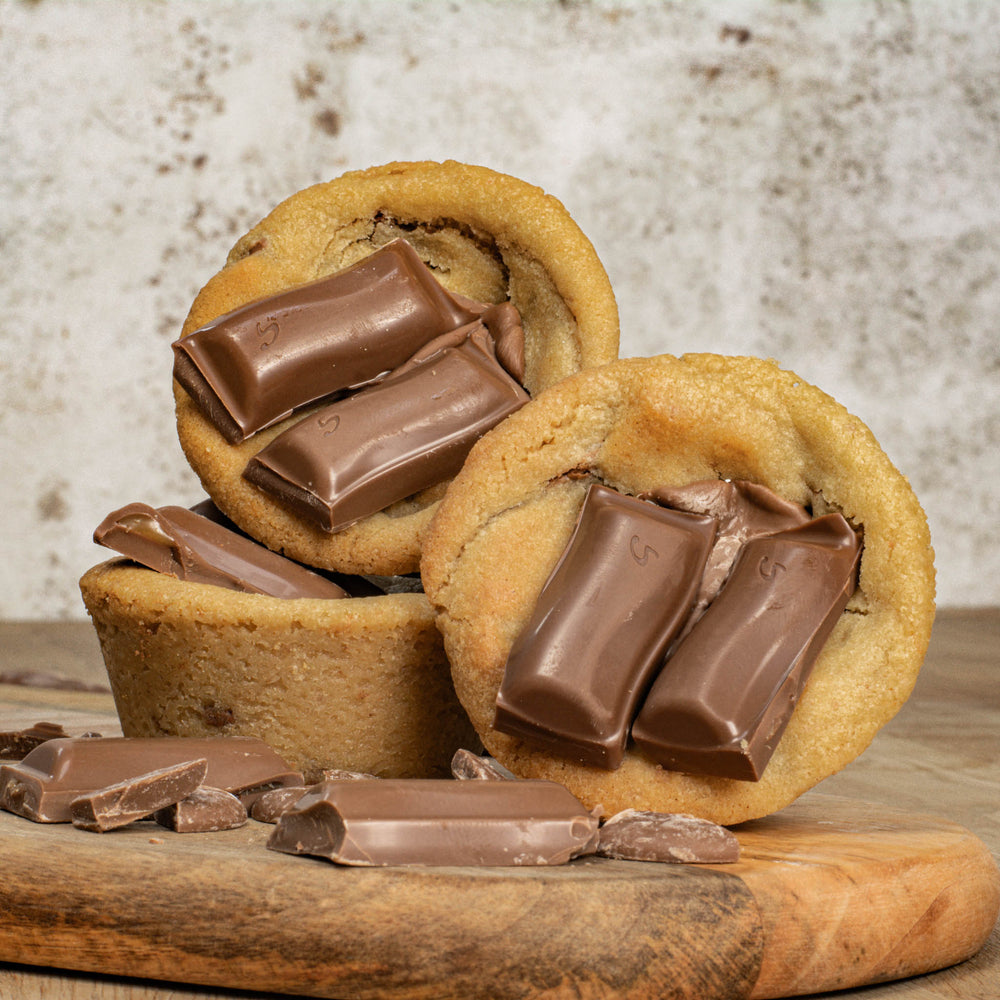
723,699
183,544
256,365
603,621
384,443
437,822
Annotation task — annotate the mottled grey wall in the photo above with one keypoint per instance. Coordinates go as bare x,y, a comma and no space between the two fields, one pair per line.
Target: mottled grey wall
812,181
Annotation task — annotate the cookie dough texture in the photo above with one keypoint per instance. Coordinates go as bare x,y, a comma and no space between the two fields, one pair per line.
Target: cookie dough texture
485,235
641,423
358,684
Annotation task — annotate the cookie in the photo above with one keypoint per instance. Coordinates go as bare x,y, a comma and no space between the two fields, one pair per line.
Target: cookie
486,237
644,425
359,683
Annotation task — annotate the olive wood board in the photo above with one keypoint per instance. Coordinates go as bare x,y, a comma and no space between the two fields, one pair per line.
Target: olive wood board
830,893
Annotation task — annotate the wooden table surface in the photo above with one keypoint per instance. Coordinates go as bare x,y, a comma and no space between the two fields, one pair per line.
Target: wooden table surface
938,756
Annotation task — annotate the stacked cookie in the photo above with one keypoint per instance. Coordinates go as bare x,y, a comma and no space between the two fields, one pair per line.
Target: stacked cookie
675,584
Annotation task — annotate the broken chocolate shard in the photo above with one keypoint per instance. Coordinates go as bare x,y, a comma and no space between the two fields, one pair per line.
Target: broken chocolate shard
274,803
467,766
189,546
204,810
17,744
411,431
602,623
258,364
437,822
639,835
136,797
723,699
43,785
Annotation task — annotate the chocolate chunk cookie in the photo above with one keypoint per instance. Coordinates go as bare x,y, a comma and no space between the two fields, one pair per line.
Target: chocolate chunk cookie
487,238
647,427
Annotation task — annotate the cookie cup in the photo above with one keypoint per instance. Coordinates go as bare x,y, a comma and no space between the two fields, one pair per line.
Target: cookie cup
485,235
358,684
642,423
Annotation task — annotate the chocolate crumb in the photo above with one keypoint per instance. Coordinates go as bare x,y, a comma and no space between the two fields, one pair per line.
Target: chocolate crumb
215,716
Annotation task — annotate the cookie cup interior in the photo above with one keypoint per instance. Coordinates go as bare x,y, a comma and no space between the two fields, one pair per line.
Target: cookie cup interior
485,235
641,423
358,684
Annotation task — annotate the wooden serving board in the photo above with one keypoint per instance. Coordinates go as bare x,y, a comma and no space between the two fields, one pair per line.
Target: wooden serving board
830,893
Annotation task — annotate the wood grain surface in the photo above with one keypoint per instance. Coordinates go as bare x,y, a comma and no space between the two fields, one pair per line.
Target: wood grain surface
937,757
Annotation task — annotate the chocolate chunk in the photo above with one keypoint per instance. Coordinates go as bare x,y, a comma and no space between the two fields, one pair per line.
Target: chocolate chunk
467,766
254,366
437,822
204,810
186,545
635,835
42,786
385,443
137,797
19,743
723,699
743,511
272,804
603,621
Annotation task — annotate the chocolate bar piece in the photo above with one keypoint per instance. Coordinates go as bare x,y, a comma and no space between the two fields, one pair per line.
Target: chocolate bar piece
411,431
135,798
638,835
44,784
18,743
437,822
274,803
189,546
619,594
254,366
743,510
204,810
723,699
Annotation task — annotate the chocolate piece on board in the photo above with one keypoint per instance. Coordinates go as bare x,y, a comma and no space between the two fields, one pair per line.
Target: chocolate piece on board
723,699
183,544
42,786
604,619
272,804
638,835
16,744
410,431
467,766
437,822
744,510
252,367
137,797
204,810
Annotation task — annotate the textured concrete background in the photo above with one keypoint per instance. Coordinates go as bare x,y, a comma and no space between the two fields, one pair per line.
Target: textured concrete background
811,181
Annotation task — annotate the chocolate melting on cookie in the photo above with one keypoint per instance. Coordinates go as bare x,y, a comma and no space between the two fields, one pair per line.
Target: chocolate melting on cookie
404,434
416,376
188,545
701,640
258,364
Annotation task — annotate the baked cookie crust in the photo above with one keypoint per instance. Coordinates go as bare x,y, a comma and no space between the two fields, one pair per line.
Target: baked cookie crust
356,684
638,424
485,235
